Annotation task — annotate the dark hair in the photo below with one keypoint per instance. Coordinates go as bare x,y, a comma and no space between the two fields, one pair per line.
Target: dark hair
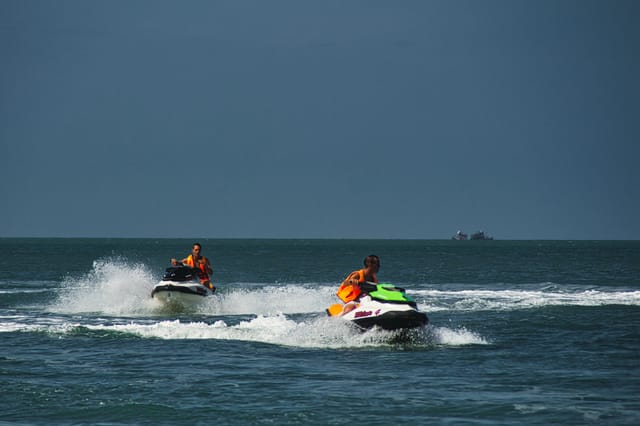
372,258
197,244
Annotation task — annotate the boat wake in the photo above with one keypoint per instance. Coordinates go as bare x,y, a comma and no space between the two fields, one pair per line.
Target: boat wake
315,332
112,287
290,315
305,332
509,300
116,287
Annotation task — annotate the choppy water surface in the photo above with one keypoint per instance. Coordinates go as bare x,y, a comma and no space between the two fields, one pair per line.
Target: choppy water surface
521,332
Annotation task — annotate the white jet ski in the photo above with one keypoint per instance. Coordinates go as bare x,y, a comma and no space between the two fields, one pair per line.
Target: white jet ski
180,286
381,305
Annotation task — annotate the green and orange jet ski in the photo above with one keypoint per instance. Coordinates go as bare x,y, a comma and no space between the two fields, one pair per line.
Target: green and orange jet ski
381,305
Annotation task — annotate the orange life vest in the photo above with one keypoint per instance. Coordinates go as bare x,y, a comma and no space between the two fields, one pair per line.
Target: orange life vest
348,292
202,270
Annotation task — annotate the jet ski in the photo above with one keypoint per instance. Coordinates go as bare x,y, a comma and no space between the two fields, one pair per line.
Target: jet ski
181,286
381,305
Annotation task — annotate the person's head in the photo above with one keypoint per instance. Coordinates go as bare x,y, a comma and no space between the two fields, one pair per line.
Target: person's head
372,262
196,249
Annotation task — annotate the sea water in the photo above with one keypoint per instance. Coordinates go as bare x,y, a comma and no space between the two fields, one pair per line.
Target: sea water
520,332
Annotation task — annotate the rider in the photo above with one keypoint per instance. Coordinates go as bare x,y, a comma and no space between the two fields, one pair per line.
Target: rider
350,290
199,262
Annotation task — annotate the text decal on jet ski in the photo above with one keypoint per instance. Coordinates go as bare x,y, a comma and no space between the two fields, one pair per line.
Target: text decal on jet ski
362,314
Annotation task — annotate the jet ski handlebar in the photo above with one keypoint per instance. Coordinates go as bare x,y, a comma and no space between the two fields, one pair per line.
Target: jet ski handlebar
368,287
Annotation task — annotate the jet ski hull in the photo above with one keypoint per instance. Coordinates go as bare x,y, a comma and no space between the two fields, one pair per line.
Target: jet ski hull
394,320
387,316
181,294
180,287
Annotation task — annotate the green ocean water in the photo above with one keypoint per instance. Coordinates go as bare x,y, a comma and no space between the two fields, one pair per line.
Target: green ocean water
521,332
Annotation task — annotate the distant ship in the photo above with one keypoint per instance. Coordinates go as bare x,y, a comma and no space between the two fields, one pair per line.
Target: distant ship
460,236
480,235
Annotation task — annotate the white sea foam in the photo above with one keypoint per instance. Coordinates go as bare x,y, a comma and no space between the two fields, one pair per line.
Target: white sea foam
291,314
480,300
459,337
310,332
277,329
112,287
117,287
281,330
23,291
269,300
12,323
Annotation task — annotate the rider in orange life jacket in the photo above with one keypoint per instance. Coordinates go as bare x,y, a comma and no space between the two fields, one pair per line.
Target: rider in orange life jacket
349,291
201,263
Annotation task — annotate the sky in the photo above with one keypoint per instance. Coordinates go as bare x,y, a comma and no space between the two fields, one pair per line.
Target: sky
320,119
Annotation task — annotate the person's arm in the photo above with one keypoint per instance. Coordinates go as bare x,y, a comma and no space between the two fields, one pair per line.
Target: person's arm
207,266
352,279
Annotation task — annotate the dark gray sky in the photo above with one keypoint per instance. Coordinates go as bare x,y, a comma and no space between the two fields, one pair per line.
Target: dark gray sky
320,119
